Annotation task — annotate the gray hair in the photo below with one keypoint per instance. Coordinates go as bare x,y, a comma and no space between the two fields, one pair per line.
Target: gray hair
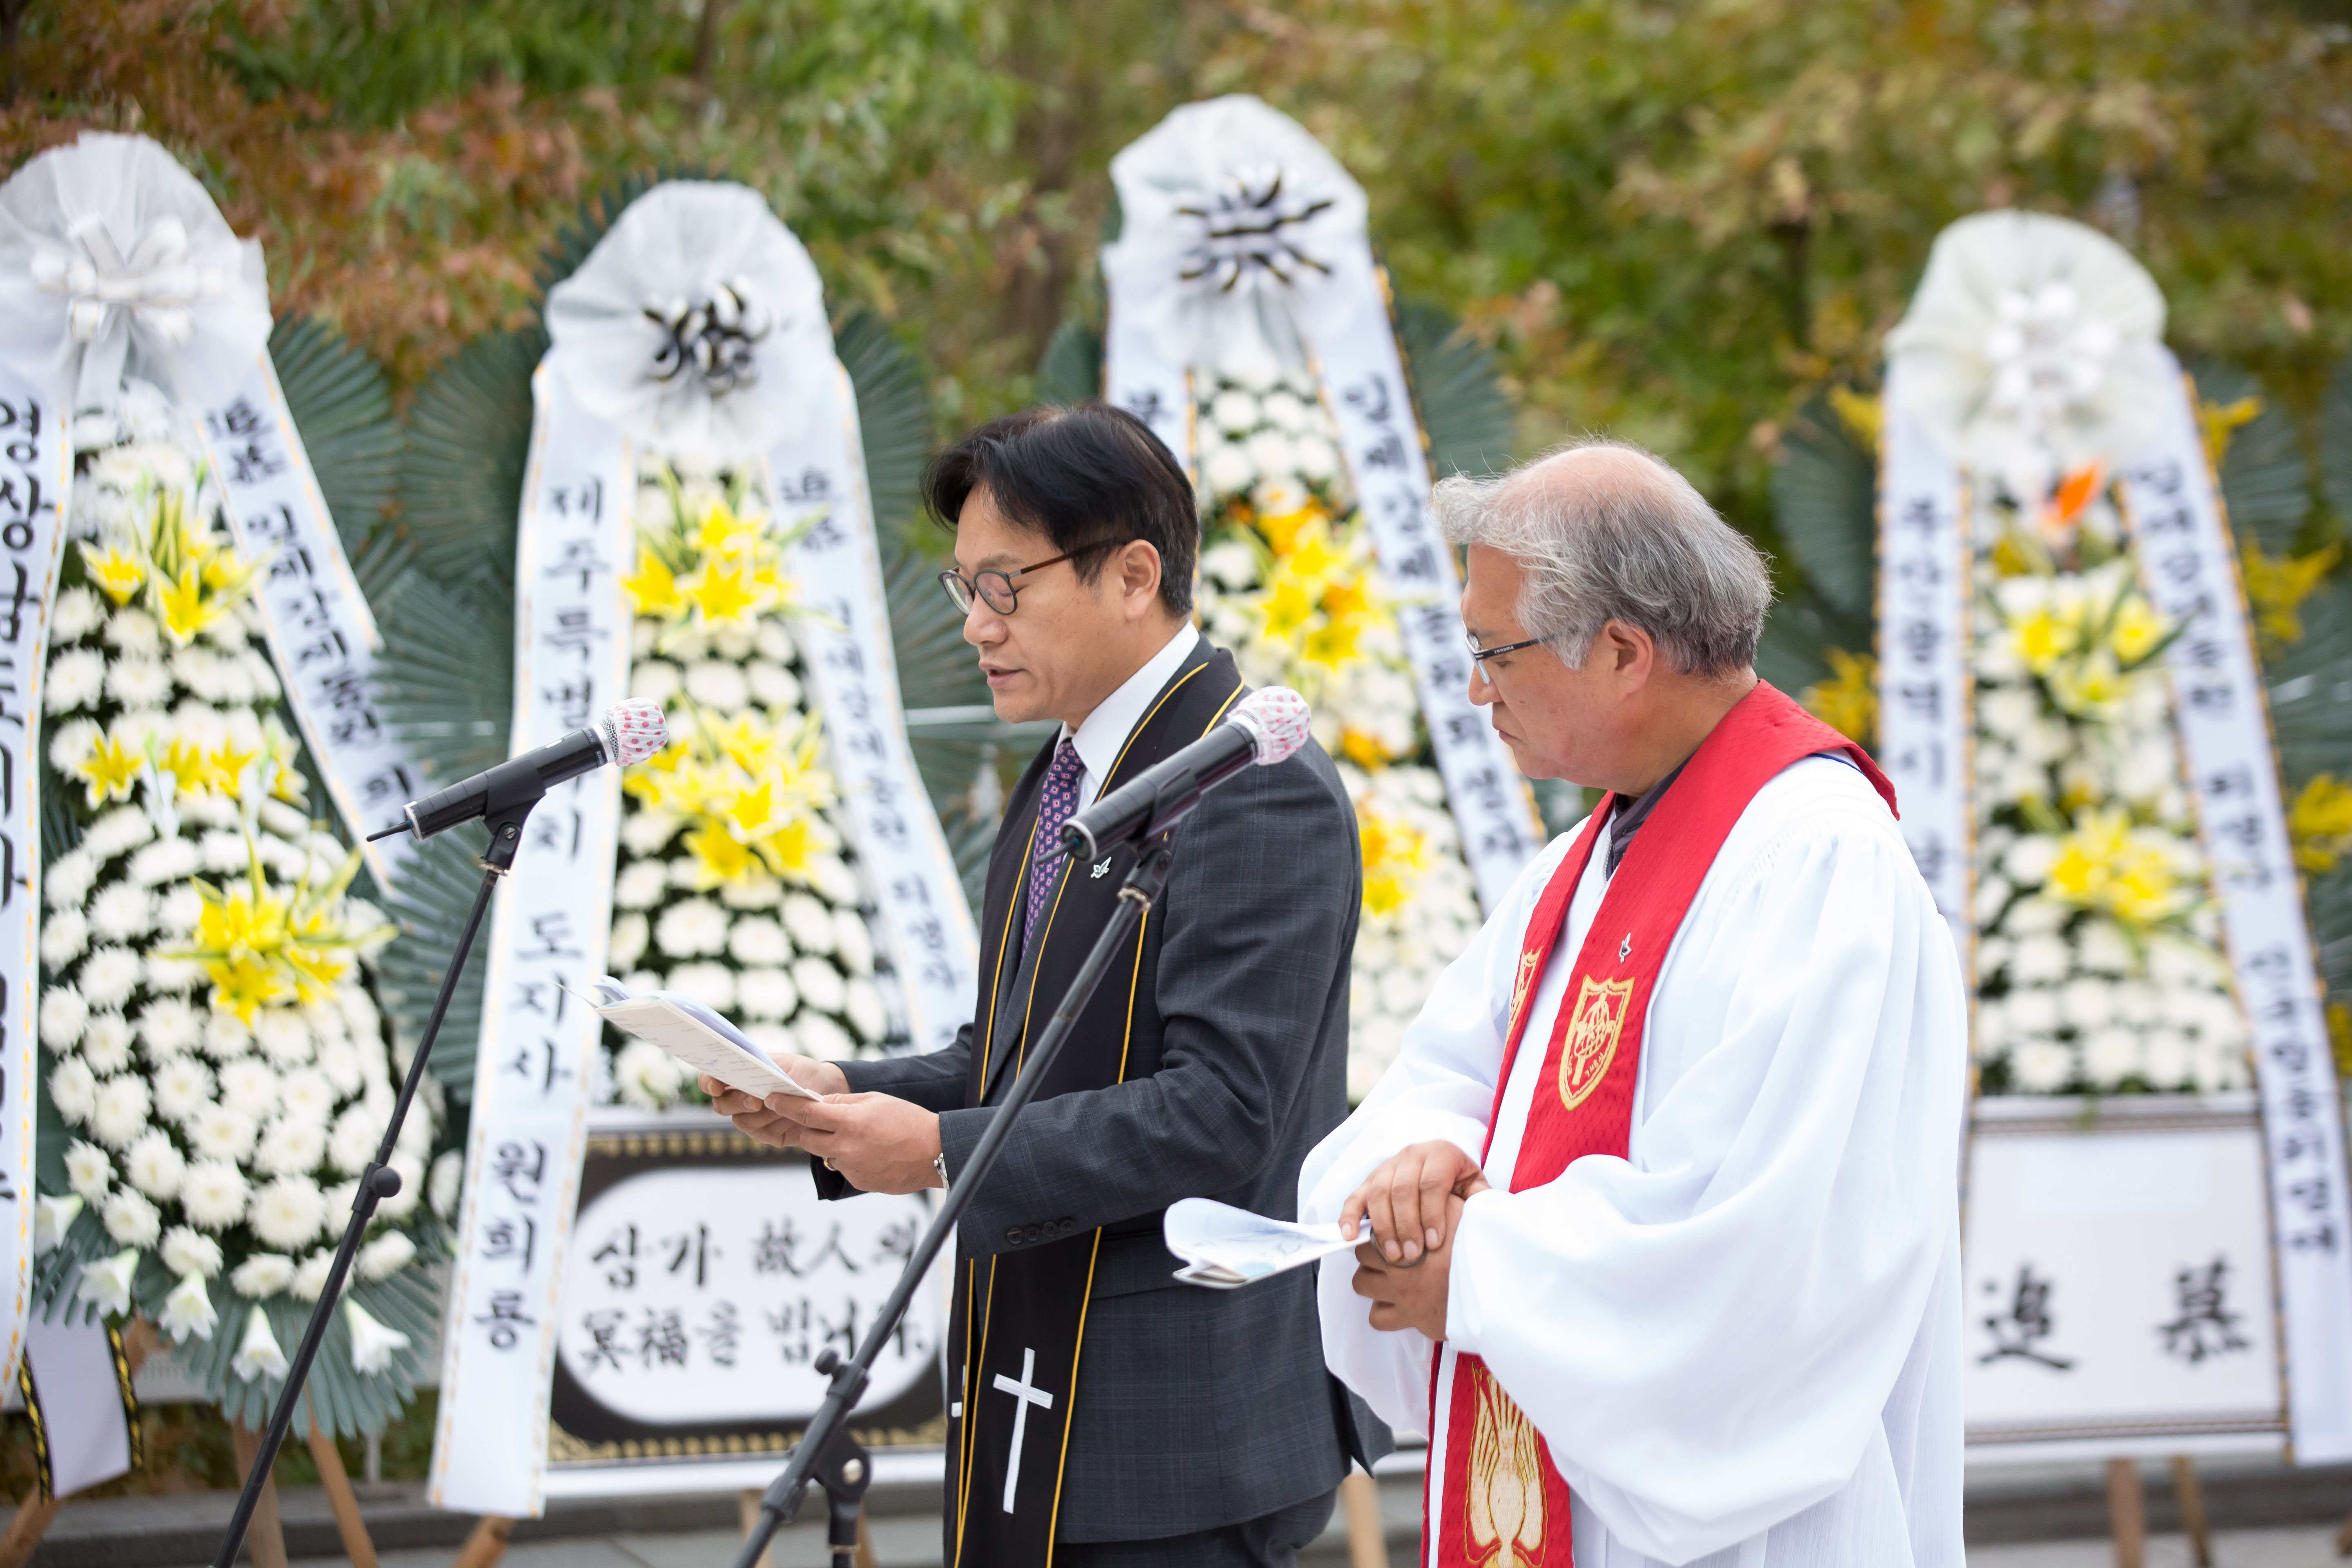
1607,531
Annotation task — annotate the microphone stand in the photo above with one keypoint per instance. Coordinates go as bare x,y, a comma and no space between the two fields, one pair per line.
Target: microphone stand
826,1453
505,810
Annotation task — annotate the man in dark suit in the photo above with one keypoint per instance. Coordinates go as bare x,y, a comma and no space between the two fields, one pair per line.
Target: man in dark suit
1100,1411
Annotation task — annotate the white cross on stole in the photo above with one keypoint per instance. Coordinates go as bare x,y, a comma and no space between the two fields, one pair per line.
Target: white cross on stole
1024,1394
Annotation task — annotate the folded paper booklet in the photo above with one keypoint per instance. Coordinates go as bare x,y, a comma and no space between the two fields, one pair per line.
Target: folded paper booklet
1225,1248
695,1036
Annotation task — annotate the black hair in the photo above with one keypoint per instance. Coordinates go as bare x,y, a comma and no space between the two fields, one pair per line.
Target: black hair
1088,477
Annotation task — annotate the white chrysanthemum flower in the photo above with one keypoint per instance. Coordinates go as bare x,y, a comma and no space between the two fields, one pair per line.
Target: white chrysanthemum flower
123,829
360,1016
2040,1065
773,1038
685,872
188,1311
644,833
168,1027
223,853
1315,459
249,1085
771,640
766,993
719,686
134,630
773,685
262,1275
131,1218
831,876
87,1170
155,1165
862,1005
628,942
385,1257
166,860
2111,1055
288,1212
646,1075
77,676
810,922
63,1013
1227,471
356,1135
340,1060
712,985
290,1146
212,1194
1234,412
310,1275
78,613
691,928
186,1251
756,891
819,1037
184,1086
222,1132
66,880
2039,960
757,940
120,1114
1232,564
139,682
409,1166
70,746
654,680
447,1171
640,885
73,1089
109,975
105,1042
64,935
282,1036
853,941
820,983
1286,413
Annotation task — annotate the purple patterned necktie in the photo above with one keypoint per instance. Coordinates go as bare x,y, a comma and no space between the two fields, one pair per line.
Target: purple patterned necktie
1057,801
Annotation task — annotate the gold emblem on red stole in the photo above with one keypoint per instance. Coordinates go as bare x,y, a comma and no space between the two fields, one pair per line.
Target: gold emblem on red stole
1504,1520
1591,1042
1529,964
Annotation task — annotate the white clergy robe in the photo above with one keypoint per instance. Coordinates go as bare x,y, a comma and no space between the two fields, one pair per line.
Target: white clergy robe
1741,1344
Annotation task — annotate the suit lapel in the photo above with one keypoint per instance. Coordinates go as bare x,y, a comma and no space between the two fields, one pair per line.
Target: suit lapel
1081,902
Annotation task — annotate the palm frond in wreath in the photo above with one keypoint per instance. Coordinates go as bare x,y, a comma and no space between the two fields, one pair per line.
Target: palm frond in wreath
1070,370
2336,443
2265,483
1824,500
1457,390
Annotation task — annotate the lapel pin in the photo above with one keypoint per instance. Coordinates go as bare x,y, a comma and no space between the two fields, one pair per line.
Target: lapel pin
1103,869
1625,948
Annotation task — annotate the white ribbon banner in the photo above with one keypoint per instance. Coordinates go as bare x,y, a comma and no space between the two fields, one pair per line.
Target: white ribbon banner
1924,687
36,481
926,927
317,621
1343,318
2189,564
534,1069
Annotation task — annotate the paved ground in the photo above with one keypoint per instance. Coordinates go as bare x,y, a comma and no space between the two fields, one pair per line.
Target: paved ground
2231,1548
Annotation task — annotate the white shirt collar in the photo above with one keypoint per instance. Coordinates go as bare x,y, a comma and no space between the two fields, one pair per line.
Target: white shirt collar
1104,735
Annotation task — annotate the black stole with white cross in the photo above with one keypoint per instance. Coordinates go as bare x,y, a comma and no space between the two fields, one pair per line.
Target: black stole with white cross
1020,1314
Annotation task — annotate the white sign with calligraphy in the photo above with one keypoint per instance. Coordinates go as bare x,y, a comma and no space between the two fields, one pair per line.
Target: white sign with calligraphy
534,1070
317,624
926,927
2189,564
1924,686
2118,1282
36,479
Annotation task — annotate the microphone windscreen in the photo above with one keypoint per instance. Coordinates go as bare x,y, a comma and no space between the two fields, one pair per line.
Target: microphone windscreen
633,730
1278,721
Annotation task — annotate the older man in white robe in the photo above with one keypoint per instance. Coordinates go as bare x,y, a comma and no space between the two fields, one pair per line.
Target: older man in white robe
1660,1190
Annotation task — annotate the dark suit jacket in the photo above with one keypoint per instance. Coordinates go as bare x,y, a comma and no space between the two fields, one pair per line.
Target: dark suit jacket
1195,1408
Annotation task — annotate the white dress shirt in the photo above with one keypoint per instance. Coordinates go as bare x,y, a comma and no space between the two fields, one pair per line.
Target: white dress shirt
1741,1342
1104,735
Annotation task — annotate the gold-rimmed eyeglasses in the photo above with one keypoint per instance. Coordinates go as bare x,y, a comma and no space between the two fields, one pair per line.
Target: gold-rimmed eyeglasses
994,588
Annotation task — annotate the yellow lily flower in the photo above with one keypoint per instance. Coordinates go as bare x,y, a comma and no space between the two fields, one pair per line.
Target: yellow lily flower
117,575
109,771
653,591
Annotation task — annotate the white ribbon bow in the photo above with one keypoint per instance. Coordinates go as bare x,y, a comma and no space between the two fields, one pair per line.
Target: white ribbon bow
113,254
691,321
1238,207
2032,349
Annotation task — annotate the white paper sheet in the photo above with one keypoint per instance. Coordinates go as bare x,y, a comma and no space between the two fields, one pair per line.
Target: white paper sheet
1225,1248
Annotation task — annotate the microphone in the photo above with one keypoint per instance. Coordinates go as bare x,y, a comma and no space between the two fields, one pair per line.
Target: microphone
628,733
1265,728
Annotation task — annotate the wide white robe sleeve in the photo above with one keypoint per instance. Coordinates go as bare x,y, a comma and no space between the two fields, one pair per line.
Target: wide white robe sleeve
1730,1327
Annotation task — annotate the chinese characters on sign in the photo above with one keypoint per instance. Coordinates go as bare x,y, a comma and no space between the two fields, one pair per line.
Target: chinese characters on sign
35,471
925,923
705,1293
2188,565
320,629
1924,683
533,1071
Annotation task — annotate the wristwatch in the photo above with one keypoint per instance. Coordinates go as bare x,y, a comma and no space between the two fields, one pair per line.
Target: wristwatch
939,1163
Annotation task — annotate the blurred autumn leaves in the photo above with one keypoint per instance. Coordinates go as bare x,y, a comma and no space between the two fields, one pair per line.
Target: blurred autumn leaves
1675,222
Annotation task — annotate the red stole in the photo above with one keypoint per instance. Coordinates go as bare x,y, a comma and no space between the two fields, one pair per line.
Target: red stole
1504,1503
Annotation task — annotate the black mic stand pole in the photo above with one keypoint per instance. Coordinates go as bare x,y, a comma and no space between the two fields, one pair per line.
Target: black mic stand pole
826,1453
505,814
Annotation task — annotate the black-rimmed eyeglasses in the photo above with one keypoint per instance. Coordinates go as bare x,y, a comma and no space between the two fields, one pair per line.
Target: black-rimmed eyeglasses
1481,655
994,588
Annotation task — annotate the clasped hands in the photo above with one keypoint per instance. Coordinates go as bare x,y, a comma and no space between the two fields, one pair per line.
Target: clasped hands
880,1143
1413,1204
